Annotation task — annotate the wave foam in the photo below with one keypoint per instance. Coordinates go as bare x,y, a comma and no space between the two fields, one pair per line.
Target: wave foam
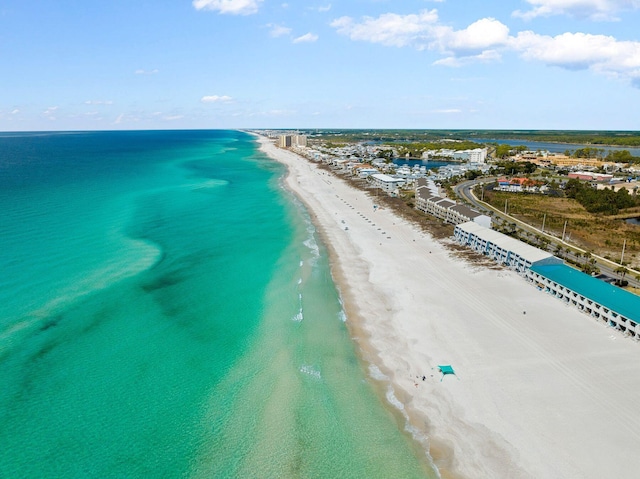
313,247
394,401
375,373
311,371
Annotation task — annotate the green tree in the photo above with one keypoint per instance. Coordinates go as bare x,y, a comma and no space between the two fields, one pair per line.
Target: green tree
559,250
503,151
621,271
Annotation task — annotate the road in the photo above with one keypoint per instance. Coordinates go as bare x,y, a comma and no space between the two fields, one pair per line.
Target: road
464,191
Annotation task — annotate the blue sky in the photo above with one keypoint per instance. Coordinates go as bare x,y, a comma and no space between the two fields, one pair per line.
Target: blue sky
170,64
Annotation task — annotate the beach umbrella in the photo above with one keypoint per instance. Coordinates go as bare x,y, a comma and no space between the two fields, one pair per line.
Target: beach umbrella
446,369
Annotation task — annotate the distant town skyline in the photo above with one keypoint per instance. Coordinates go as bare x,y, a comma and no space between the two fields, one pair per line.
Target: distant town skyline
423,64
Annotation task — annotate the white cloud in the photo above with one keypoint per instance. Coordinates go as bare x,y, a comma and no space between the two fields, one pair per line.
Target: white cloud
486,39
476,42
216,99
488,56
577,51
325,8
50,112
146,72
600,10
232,7
118,119
278,30
306,38
172,117
15,111
98,102
448,111
479,36
479,42
389,29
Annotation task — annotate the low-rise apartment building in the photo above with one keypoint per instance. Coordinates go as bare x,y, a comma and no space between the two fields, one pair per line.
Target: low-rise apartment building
448,210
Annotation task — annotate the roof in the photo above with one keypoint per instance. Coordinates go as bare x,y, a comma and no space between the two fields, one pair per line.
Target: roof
609,296
424,192
528,252
445,203
465,210
387,178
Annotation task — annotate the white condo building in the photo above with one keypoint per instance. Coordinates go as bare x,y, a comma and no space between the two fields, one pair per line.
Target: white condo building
613,306
429,202
387,183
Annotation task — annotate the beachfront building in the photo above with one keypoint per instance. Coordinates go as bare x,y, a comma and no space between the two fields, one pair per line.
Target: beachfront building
287,141
284,141
501,248
429,202
300,140
387,183
613,306
366,172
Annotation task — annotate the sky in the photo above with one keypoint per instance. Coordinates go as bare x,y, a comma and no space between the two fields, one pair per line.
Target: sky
420,64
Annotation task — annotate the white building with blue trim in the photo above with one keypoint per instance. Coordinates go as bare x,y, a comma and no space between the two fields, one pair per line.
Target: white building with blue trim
613,306
501,248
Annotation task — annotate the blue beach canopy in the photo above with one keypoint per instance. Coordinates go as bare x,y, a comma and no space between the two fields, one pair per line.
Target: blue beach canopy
446,370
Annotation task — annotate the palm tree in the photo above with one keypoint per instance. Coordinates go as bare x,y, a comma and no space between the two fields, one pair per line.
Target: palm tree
622,271
559,250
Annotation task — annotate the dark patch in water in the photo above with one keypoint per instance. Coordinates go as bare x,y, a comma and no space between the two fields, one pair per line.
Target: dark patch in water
161,282
50,323
172,270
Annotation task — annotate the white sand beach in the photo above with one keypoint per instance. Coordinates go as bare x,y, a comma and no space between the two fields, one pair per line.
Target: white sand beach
546,394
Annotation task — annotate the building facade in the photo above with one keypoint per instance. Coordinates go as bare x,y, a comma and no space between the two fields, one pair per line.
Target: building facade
446,209
287,141
387,183
501,248
613,306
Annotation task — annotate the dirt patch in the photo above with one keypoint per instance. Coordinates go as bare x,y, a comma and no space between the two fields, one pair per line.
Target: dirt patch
598,234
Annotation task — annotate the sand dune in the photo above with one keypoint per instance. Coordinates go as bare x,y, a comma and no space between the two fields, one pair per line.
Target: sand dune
546,394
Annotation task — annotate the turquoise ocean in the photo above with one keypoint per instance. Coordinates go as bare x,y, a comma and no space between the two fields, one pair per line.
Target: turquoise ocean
167,311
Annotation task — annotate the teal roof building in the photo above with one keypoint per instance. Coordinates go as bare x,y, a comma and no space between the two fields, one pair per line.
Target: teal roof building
619,308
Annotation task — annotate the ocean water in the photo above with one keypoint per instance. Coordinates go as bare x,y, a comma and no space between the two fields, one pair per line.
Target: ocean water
167,311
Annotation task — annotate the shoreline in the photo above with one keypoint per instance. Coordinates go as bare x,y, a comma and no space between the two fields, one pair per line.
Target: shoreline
545,397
